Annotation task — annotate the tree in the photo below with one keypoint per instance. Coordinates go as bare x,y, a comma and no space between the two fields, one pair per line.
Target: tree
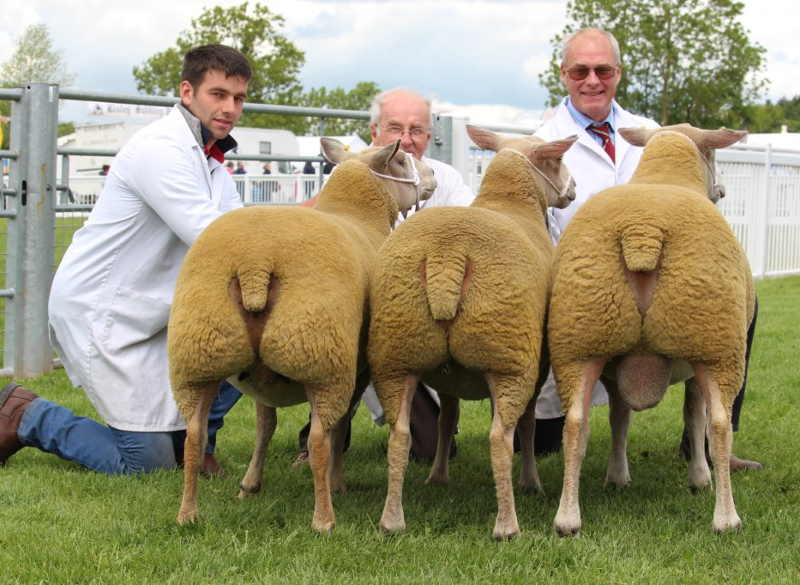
771,117
358,98
682,60
35,60
275,60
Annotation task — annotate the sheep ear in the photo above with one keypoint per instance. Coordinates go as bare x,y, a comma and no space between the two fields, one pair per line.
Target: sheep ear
334,151
635,136
720,138
486,139
384,155
554,149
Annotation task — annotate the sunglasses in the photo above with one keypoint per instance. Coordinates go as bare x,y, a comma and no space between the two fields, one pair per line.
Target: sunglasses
602,72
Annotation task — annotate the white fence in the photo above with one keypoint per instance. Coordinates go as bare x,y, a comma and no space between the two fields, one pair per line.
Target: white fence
761,204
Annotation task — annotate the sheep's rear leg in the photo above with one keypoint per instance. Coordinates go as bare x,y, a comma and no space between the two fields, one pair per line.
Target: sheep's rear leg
336,471
528,477
501,444
619,417
319,450
694,417
448,419
266,421
720,441
392,519
194,448
579,380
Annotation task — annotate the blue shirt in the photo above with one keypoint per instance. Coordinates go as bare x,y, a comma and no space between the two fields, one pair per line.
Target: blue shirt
585,122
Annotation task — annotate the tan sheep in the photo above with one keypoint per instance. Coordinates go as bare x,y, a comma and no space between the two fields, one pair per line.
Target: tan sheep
459,299
280,293
650,283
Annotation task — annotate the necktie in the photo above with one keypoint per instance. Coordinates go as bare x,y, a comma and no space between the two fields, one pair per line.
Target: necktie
604,131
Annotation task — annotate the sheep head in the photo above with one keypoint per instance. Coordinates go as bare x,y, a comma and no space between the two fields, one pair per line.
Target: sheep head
545,158
408,180
706,141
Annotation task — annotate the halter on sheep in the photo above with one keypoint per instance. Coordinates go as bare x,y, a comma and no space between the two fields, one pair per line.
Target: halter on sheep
650,280
280,294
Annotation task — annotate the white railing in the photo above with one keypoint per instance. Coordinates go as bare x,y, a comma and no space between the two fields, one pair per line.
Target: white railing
761,204
277,188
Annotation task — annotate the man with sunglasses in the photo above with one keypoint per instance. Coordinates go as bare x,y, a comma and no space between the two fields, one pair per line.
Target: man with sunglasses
591,70
404,114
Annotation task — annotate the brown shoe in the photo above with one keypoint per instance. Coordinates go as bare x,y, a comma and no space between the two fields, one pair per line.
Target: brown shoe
14,401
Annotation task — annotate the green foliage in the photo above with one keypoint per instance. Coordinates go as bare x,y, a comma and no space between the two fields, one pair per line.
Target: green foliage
35,60
682,60
358,98
65,128
275,60
62,524
771,117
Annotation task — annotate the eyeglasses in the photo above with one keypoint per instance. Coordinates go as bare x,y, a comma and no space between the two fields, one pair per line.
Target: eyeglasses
415,132
602,72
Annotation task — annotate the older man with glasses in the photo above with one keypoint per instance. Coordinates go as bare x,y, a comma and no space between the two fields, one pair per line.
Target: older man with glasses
591,69
401,113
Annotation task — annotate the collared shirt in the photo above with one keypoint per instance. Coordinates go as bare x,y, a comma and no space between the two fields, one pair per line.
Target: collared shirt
203,135
585,121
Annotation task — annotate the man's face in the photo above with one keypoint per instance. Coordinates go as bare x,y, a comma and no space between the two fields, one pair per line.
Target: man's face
217,101
407,113
591,96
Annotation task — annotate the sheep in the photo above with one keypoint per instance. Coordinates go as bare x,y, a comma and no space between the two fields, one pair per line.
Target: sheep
279,294
459,299
650,286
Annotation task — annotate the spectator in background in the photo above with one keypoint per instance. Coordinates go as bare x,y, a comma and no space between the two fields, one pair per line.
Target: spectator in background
240,170
267,169
104,171
308,168
229,167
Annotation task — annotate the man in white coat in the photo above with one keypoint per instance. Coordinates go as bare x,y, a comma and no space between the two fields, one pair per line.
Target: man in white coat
111,295
601,158
404,114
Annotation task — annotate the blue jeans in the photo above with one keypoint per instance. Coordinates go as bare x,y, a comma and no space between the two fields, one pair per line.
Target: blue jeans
55,429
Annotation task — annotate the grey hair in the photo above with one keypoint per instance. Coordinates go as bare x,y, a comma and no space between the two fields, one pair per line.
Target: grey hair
380,99
567,42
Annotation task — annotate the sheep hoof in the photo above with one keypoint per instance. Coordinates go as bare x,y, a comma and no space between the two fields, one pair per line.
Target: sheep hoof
505,533
724,524
531,486
323,527
438,479
392,527
738,464
187,517
245,491
567,527
616,484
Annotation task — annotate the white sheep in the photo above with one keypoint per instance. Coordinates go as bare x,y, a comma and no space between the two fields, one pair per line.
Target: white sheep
280,293
650,283
459,300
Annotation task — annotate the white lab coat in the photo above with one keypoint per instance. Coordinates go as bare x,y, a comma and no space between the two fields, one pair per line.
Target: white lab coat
593,171
111,296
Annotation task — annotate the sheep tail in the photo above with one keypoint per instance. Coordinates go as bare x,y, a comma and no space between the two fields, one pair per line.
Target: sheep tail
446,279
255,284
641,247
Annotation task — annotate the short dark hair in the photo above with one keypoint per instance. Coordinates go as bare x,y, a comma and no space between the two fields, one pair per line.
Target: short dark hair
199,60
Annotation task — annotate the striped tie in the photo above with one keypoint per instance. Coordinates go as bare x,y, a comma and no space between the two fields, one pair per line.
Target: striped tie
604,131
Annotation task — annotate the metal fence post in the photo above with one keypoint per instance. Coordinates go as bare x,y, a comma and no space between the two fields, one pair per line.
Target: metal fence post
29,269
450,143
767,212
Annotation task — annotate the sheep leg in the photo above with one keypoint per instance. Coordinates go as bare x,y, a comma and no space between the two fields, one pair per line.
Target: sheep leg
194,448
720,442
528,477
619,417
579,379
319,451
266,421
694,417
392,519
337,453
501,445
448,420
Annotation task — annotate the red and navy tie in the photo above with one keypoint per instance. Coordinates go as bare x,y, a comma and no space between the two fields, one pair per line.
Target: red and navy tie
604,131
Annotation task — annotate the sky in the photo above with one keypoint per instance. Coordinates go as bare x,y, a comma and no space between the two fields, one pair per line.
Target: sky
476,58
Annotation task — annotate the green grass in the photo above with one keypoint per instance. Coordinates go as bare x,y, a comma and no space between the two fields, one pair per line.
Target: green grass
60,523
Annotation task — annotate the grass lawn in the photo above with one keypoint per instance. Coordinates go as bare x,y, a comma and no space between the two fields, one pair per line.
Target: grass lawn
62,524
